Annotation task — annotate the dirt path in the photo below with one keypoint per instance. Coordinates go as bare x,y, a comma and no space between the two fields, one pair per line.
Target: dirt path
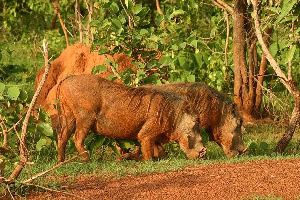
266,178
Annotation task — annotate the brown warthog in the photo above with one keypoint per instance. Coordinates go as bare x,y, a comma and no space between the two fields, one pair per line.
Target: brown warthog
217,113
89,102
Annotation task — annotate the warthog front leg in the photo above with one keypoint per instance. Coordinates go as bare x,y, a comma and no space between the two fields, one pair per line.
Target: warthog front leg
147,148
147,136
159,151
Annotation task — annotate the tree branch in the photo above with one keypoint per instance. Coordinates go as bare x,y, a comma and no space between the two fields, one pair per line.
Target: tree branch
57,7
265,49
113,69
130,20
226,45
223,5
52,190
90,11
51,169
23,150
78,19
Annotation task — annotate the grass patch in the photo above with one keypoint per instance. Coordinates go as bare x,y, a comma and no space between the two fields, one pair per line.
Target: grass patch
261,140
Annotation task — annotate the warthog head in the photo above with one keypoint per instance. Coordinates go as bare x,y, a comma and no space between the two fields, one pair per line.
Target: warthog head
190,138
230,137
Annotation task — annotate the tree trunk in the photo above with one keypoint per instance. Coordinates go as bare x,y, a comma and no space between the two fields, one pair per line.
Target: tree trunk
241,93
290,85
247,92
290,129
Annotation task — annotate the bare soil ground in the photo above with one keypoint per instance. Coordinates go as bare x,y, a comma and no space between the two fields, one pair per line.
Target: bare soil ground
247,180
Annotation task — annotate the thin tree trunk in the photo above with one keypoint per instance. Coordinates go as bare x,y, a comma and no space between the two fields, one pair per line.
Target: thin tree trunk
289,84
91,7
226,45
158,7
23,150
3,9
262,72
57,7
289,132
54,17
78,20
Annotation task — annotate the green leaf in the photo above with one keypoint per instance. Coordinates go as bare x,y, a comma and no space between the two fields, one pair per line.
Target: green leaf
112,78
159,19
103,51
286,9
140,73
144,32
191,78
19,108
194,43
95,23
13,92
174,47
177,13
2,88
97,142
23,95
158,82
45,129
273,49
199,60
143,13
126,144
191,38
116,23
290,54
99,69
114,8
182,61
165,60
40,144
129,4
182,45
138,8
113,147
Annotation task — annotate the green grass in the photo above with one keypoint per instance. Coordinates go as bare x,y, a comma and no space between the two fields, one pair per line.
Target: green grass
261,140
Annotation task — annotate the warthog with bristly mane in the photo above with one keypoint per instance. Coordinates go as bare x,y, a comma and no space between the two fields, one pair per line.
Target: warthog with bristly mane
88,102
217,113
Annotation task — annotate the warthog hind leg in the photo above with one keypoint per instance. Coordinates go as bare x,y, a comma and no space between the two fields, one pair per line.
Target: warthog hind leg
79,137
62,139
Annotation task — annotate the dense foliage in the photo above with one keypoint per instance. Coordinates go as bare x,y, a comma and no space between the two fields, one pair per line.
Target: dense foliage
186,43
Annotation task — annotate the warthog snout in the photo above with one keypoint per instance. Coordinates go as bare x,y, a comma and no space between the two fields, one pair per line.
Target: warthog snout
243,151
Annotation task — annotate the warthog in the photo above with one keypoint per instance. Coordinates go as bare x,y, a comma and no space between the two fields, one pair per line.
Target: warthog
88,102
217,113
